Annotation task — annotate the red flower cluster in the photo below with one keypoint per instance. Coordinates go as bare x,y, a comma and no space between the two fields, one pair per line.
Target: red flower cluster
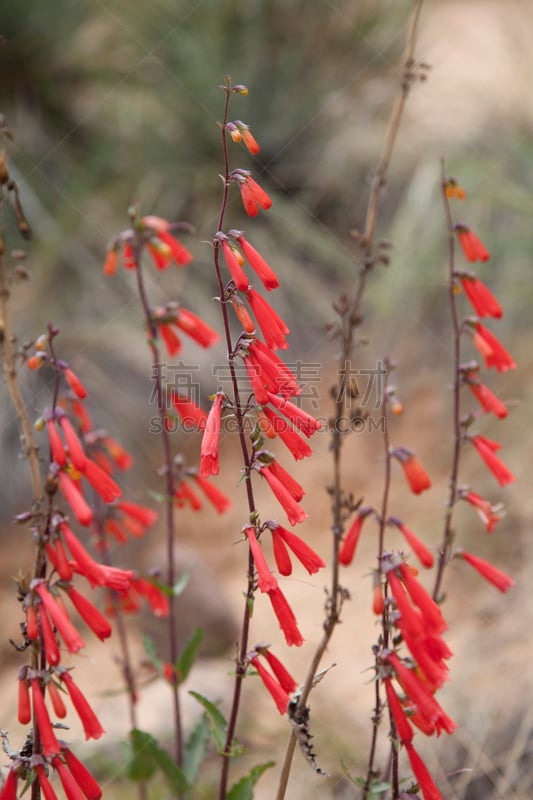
495,355
267,581
280,684
154,233
170,318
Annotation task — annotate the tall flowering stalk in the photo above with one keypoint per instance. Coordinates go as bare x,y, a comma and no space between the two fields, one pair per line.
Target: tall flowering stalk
272,383
49,631
370,254
153,234
466,374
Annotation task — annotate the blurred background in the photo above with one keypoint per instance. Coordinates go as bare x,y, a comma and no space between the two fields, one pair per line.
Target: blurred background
113,103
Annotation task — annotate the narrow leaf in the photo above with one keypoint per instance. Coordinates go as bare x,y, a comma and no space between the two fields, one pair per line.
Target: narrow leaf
174,775
187,656
196,748
217,720
140,766
244,789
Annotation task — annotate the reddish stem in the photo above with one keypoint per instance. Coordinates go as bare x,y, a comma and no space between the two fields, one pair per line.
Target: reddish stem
168,500
240,670
447,537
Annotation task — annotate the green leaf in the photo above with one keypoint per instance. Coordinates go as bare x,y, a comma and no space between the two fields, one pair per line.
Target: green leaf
244,789
140,764
149,649
217,720
195,748
187,656
181,583
148,756
174,775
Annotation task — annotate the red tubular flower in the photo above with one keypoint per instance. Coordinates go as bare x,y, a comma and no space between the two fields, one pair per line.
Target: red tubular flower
272,326
292,440
495,576
402,724
56,445
483,301
249,140
46,732
281,539
491,349
487,399
44,784
172,248
472,246
157,599
217,498
290,483
75,449
184,494
424,779
202,333
284,677
273,373
101,482
286,618
253,196
378,601
238,275
82,776
295,513
24,705
487,449
91,725
51,648
96,574
419,548
111,262
416,475
303,421
90,614
243,315
190,413
170,337
129,257
429,608
57,701
278,693
180,254
410,622
119,455
56,554
59,617
209,449
68,782
485,510
75,384
263,270
145,516
265,579
9,789
351,540
32,628
420,694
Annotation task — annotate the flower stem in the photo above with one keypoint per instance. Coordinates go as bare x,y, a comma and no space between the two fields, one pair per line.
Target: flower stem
447,536
169,494
350,318
240,668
